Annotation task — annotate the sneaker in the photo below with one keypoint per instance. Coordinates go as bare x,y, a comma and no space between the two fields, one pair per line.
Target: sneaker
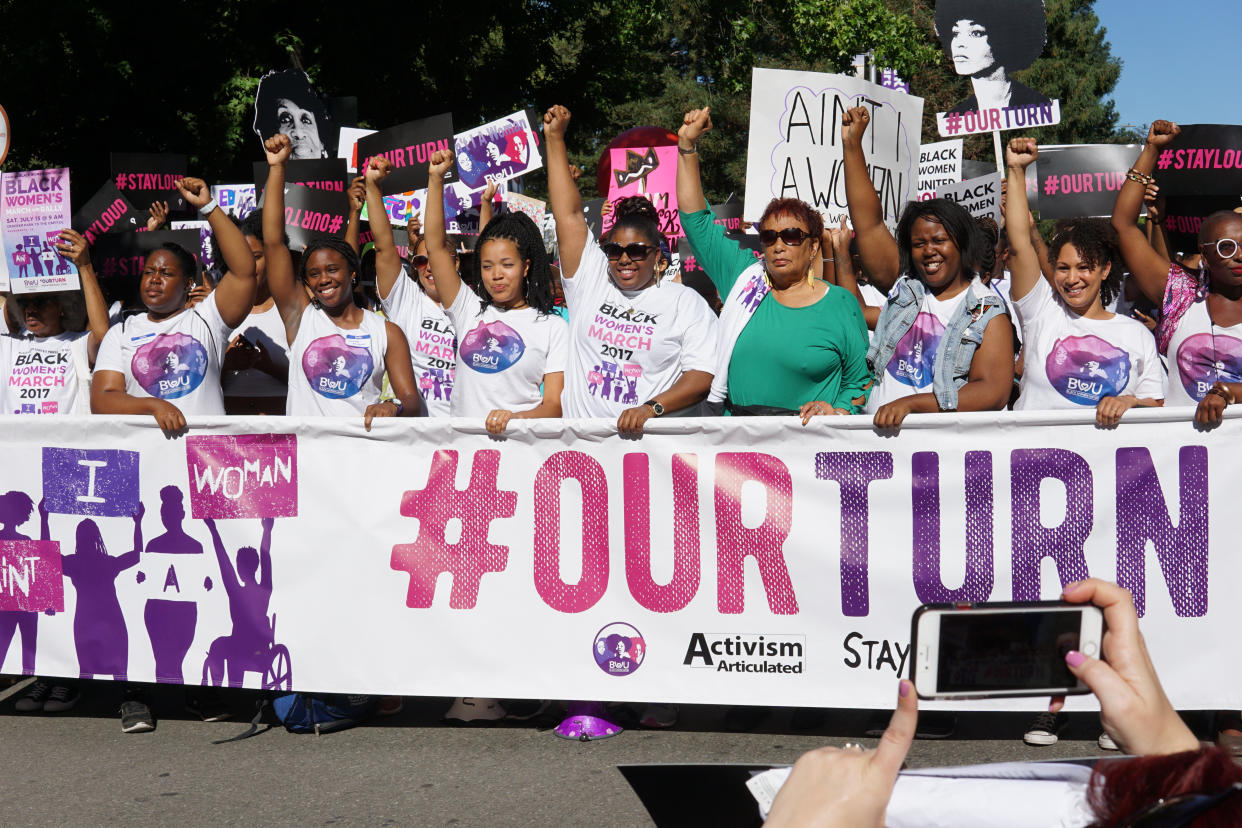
659,715
467,711
523,710
1043,730
35,698
205,702
1106,742
389,706
136,717
62,698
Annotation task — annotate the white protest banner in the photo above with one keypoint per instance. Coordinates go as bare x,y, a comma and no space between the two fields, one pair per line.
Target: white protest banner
795,151
347,146
978,196
727,561
939,164
36,209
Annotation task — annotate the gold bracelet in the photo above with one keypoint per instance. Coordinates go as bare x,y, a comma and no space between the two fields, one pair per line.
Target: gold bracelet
1222,390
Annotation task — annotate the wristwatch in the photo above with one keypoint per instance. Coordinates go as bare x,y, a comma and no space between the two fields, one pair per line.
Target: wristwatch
656,407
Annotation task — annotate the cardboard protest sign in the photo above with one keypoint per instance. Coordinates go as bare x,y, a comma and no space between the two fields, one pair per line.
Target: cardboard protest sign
347,146
1184,217
1081,179
238,200
400,206
286,103
400,238
408,147
311,214
1206,159
35,210
242,476
107,212
650,172
5,139
503,149
594,216
978,196
119,257
795,142
939,164
144,177
987,41
729,216
533,207
320,174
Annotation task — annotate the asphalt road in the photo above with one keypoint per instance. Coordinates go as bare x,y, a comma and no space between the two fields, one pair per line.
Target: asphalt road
79,769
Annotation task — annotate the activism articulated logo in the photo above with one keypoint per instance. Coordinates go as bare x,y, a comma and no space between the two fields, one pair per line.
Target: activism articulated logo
619,649
492,347
170,365
746,652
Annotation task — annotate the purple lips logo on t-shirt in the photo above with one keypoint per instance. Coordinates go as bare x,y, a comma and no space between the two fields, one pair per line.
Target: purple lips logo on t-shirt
336,369
170,366
491,347
1203,359
1085,369
916,352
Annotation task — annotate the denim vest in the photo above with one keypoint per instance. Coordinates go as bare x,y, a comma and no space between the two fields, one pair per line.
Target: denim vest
964,333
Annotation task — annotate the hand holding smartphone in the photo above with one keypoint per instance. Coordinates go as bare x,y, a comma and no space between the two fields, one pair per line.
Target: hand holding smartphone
1001,649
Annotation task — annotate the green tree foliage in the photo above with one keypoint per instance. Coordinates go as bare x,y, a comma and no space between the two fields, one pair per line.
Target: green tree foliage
83,79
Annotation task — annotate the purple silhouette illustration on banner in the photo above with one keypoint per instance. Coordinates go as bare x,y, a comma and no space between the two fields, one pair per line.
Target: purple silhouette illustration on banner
15,509
34,248
251,647
99,633
170,621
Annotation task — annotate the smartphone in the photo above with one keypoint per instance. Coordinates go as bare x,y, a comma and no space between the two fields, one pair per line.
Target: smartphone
1001,649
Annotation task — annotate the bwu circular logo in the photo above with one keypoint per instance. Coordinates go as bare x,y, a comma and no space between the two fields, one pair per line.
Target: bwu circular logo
619,649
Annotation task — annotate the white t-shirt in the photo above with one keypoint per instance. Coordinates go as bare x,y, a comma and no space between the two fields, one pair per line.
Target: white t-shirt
1200,354
50,375
176,359
264,328
502,355
334,371
909,372
628,346
433,343
1071,361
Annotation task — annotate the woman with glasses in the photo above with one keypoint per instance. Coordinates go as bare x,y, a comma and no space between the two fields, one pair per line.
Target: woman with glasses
1201,319
943,341
790,343
640,347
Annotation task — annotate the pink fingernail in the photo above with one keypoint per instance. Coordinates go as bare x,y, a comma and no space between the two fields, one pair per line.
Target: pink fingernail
903,688
1074,658
1070,587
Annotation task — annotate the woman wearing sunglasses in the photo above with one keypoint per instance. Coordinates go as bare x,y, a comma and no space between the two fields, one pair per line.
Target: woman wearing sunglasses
640,347
790,343
943,341
1201,320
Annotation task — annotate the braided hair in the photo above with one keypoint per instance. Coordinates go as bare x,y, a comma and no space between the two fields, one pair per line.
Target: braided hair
518,228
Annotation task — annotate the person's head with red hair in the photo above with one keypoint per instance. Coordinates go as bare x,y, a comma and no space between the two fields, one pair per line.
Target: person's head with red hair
789,230
1122,790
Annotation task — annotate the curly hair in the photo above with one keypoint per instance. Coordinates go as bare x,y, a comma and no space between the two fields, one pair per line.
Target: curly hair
1016,29
796,209
959,224
638,214
518,228
1096,241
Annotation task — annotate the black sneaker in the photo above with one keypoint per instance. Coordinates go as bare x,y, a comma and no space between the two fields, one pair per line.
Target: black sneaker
64,697
136,717
35,697
1044,729
206,704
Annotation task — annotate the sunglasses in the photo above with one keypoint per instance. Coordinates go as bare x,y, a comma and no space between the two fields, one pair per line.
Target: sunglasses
1225,248
1181,810
790,235
636,252
420,262
35,301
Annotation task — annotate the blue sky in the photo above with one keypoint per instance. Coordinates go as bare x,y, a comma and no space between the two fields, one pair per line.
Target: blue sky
1180,60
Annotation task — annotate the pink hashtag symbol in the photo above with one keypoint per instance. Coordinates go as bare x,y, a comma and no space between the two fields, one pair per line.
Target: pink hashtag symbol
335,225
1166,159
953,123
120,181
109,267
471,555
1050,185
